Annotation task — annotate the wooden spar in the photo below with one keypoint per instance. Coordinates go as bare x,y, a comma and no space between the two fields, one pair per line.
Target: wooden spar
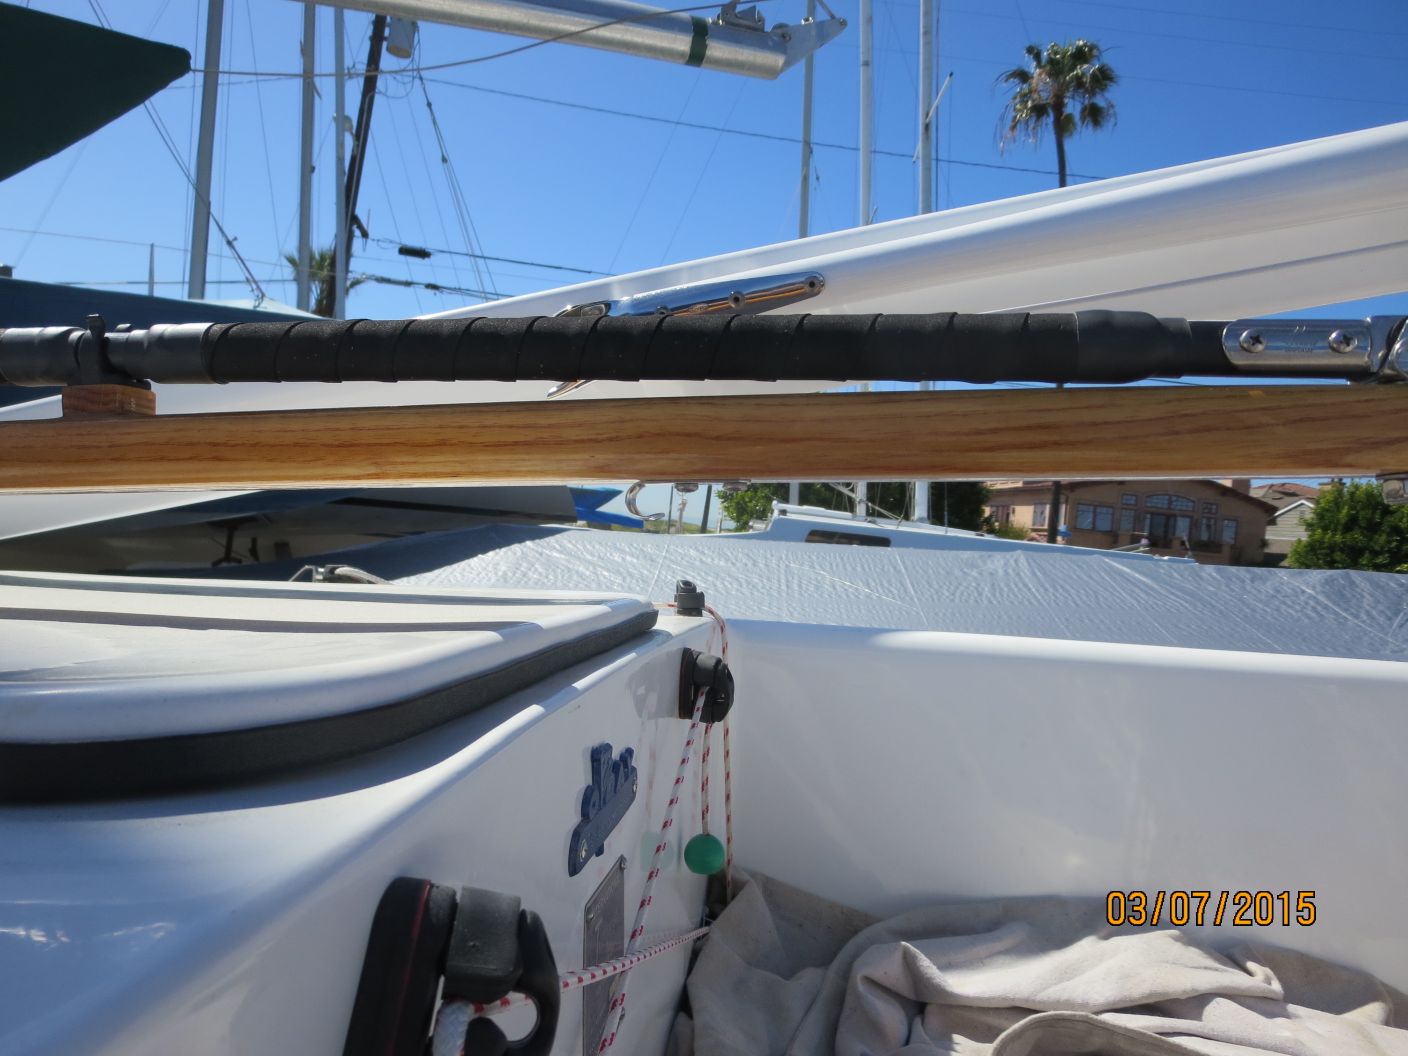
1092,433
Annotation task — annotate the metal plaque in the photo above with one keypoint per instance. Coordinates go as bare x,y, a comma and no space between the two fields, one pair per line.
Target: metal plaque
603,938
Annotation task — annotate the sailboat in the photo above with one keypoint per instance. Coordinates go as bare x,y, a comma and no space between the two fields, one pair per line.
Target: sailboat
653,794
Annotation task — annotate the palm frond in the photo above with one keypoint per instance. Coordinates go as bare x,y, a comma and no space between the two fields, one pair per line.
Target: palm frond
1064,86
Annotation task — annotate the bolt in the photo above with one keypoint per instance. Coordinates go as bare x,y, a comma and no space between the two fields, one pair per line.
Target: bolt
1251,341
1343,343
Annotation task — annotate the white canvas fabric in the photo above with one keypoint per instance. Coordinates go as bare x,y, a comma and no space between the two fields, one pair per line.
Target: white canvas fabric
787,973
1055,592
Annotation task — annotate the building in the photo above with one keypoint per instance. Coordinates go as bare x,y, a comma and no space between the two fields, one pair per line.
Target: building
1214,522
1294,502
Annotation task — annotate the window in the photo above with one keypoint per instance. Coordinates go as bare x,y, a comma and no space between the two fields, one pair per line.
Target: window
1126,520
1210,509
1001,514
1095,518
1229,531
1167,531
1182,504
1157,502
846,538
1207,528
1129,499
1039,515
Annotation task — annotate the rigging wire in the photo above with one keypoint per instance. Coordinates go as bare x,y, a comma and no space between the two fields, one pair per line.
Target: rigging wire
457,197
1278,23
54,196
703,169
263,128
655,171
383,280
391,211
170,144
396,243
774,137
1160,34
433,187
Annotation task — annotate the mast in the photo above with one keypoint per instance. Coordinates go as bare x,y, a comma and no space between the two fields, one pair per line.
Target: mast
205,148
339,122
867,109
808,77
804,191
305,161
926,98
926,178
362,132
867,117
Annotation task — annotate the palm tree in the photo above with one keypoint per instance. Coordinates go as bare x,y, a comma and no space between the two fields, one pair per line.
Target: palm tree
320,272
1066,86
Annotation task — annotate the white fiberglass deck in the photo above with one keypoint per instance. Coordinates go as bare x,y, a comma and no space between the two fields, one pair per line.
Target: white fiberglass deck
885,769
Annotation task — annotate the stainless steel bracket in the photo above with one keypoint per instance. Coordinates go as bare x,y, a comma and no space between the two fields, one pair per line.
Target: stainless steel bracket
752,296
1359,349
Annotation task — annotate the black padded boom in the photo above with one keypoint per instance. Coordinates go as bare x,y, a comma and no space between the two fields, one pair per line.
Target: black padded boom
1015,346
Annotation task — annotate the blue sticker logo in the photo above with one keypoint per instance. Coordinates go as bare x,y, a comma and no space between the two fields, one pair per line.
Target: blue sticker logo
604,803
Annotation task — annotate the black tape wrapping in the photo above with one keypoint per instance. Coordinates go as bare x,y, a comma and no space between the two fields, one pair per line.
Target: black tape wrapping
1009,346
311,352
552,348
426,349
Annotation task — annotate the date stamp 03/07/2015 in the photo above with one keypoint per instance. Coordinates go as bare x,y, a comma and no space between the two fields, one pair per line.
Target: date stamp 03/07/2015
1242,909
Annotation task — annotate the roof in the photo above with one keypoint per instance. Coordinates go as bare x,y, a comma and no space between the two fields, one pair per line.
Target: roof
25,303
1285,493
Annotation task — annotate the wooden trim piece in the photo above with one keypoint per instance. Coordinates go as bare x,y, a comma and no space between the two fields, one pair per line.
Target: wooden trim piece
1271,431
107,401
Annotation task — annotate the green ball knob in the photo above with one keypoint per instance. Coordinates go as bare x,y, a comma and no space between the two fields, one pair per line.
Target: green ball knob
704,854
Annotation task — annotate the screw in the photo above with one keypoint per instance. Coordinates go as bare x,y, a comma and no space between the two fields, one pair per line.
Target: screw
1343,343
1251,341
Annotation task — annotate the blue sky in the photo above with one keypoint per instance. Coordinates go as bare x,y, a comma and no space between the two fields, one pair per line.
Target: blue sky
584,159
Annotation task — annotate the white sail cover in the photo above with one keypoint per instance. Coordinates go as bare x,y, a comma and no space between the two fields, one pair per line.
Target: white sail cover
1067,593
1274,230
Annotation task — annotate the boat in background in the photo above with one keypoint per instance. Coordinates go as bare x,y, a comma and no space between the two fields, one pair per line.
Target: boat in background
813,524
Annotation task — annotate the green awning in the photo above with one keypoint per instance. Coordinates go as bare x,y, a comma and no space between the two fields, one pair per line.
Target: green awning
61,80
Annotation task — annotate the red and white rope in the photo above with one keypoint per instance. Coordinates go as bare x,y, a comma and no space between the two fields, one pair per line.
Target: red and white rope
454,1016
728,770
704,780
617,1009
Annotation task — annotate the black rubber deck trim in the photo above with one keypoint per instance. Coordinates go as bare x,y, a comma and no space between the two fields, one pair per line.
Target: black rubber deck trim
33,772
